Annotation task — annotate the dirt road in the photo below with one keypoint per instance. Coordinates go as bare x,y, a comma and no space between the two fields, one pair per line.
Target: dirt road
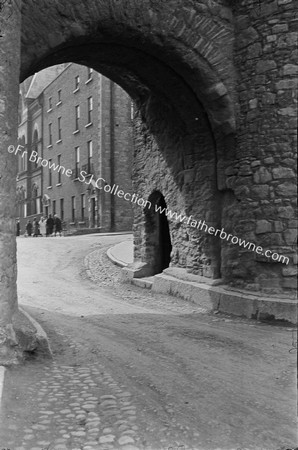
197,380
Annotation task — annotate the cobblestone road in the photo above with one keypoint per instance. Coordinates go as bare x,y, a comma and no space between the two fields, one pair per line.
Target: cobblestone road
74,408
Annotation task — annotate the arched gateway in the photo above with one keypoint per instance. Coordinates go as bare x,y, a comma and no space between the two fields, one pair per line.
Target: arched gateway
211,132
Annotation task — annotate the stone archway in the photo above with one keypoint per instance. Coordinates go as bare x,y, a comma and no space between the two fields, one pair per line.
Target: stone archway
182,88
157,234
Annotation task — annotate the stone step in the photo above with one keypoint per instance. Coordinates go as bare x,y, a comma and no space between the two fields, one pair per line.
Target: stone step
145,282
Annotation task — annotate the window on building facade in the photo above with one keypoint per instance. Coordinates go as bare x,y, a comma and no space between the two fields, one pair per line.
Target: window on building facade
90,155
62,208
59,96
54,206
59,171
77,117
89,73
50,134
77,162
22,156
50,174
83,206
50,103
73,209
24,163
59,129
77,82
35,147
21,162
90,109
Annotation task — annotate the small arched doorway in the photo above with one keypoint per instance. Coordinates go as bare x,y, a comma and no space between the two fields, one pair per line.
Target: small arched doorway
158,238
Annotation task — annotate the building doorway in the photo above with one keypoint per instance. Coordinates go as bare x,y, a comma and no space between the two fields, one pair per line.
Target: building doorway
93,212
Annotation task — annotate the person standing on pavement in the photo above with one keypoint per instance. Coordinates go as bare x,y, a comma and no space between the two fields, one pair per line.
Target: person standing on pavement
49,226
58,225
29,228
42,226
18,230
35,227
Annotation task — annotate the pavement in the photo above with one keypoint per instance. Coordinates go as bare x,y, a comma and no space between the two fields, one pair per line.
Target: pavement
208,294
121,254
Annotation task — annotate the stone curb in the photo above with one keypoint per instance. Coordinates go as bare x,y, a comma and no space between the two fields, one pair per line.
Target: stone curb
41,336
224,300
145,282
220,298
114,260
115,233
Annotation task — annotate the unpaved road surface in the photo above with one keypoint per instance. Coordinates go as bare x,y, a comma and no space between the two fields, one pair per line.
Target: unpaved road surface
154,372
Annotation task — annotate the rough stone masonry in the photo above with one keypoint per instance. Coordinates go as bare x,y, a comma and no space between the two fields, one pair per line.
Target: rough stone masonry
214,83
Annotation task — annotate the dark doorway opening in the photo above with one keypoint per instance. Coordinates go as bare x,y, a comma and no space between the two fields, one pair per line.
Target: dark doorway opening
158,238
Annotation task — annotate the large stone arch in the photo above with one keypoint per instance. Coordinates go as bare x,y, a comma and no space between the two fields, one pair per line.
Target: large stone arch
177,68
194,41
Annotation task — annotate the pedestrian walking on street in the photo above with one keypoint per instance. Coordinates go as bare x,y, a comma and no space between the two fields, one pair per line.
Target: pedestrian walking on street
49,226
58,225
42,226
29,228
35,227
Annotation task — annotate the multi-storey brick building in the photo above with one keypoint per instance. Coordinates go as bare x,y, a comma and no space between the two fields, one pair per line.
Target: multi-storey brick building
30,132
76,128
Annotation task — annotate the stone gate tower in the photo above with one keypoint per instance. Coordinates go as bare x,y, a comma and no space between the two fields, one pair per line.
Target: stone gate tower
214,82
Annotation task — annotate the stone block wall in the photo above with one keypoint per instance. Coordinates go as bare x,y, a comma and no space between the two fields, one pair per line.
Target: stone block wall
262,176
184,172
253,195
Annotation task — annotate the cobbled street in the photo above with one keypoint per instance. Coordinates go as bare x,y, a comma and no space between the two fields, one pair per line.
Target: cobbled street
136,370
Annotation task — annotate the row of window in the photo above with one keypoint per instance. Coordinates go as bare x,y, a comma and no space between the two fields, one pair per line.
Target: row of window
74,215
77,164
36,208
77,79
77,157
77,206
77,121
76,88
